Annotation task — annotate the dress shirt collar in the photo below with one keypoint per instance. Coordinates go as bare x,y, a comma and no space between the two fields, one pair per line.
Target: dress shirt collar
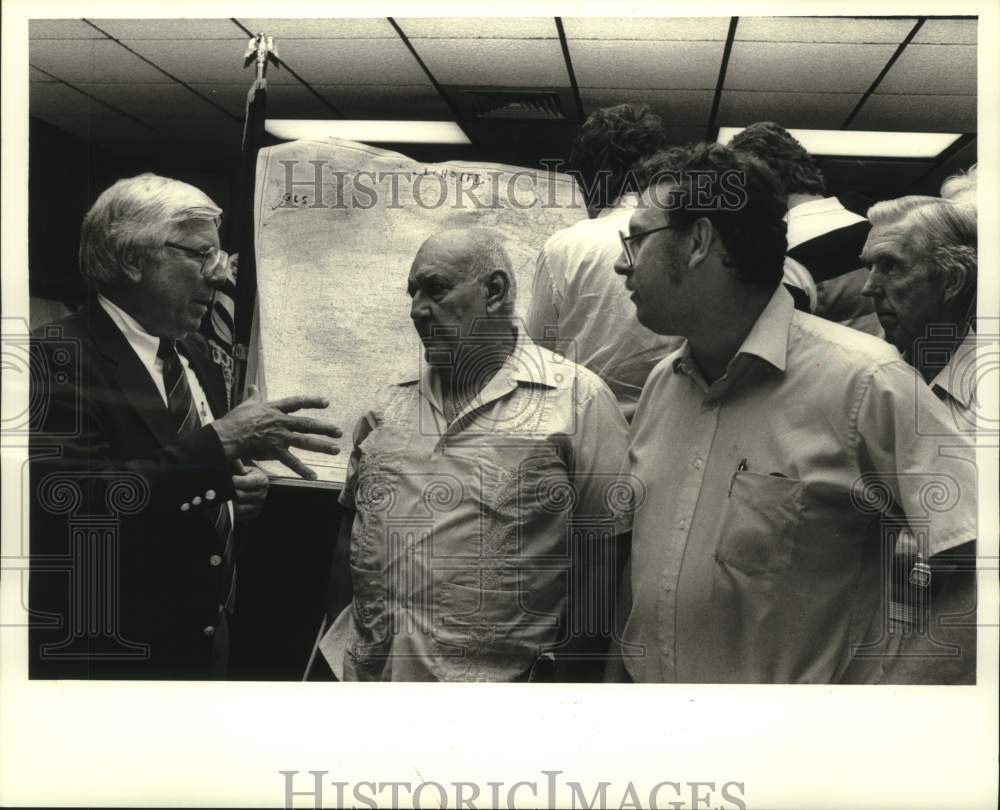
144,344
954,379
767,338
811,219
527,363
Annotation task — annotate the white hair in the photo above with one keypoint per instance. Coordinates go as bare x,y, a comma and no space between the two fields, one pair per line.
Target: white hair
961,187
132,219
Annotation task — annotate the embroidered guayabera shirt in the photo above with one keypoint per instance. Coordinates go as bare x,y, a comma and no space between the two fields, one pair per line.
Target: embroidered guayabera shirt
459,549
772,500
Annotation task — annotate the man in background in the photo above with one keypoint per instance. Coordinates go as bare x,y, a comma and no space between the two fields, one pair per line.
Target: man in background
578,306
824,238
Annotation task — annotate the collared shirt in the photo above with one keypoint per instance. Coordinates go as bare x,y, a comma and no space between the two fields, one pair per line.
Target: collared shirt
459,549
827,239
955,384
580,306
146,346
759,548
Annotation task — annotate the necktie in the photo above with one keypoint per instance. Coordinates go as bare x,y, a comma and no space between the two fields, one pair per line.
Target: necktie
180,403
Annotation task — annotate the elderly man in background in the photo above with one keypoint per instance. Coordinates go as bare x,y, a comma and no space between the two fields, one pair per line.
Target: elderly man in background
473,488
824,238
922,254
768,446
577,304
129,425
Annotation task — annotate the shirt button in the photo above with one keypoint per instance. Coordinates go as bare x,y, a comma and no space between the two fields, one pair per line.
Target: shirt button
215,560
209,631
210,495
185,507
196,501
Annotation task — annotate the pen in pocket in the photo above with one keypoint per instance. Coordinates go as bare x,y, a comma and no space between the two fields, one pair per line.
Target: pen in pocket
741,467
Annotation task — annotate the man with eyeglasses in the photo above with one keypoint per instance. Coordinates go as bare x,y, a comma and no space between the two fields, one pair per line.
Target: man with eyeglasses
138,471
779,453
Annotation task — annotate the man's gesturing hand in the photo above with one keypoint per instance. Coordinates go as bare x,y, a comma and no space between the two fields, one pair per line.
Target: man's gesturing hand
265,430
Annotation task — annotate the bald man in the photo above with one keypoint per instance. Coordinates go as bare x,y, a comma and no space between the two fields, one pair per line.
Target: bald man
477,486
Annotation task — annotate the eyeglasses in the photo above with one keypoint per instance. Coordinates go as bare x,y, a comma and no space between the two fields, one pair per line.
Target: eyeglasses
632,237
214,261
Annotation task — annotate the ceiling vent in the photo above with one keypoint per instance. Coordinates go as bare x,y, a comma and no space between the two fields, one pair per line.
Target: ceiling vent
513,104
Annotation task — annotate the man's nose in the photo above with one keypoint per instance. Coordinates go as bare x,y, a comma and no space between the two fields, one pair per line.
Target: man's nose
419,309
871,289
622,266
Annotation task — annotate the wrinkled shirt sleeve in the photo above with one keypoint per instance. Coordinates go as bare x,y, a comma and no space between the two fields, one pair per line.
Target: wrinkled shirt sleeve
905,438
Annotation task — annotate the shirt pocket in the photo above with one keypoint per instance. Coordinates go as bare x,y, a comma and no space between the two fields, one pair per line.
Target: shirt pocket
759,524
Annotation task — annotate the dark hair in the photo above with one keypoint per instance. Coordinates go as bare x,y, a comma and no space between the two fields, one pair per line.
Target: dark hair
743,200
795,167
610,142
664,164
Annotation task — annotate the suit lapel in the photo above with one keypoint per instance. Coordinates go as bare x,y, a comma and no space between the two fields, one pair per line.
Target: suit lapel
131,375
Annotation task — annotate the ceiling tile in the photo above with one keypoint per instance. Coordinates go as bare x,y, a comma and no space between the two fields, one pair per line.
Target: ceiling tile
804,67
947,32
95,60
657,28
307,28
215,130
823,29
142,98
348,61
506,63
36,75
804,110
478,27
647,65
675,107
295,101
62,29
171,29
211,60
390,102
56,98
110,131
231,97
917,113
934,70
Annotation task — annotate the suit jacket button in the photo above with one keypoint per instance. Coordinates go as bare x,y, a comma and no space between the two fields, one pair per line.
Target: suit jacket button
185,506
215,560
196,501
210,495
209,631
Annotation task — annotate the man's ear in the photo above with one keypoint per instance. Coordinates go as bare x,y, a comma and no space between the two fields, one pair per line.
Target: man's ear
953,283
131,265
702,237
497,290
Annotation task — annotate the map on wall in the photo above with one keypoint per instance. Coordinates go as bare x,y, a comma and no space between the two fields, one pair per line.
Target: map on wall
337,224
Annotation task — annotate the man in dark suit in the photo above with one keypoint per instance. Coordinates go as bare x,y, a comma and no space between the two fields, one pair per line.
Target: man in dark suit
138,473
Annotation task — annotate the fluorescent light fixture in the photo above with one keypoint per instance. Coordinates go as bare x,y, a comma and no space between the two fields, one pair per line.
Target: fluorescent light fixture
856,143
291,129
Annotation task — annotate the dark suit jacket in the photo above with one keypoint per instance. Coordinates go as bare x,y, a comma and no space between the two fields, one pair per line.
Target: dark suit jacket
125,579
